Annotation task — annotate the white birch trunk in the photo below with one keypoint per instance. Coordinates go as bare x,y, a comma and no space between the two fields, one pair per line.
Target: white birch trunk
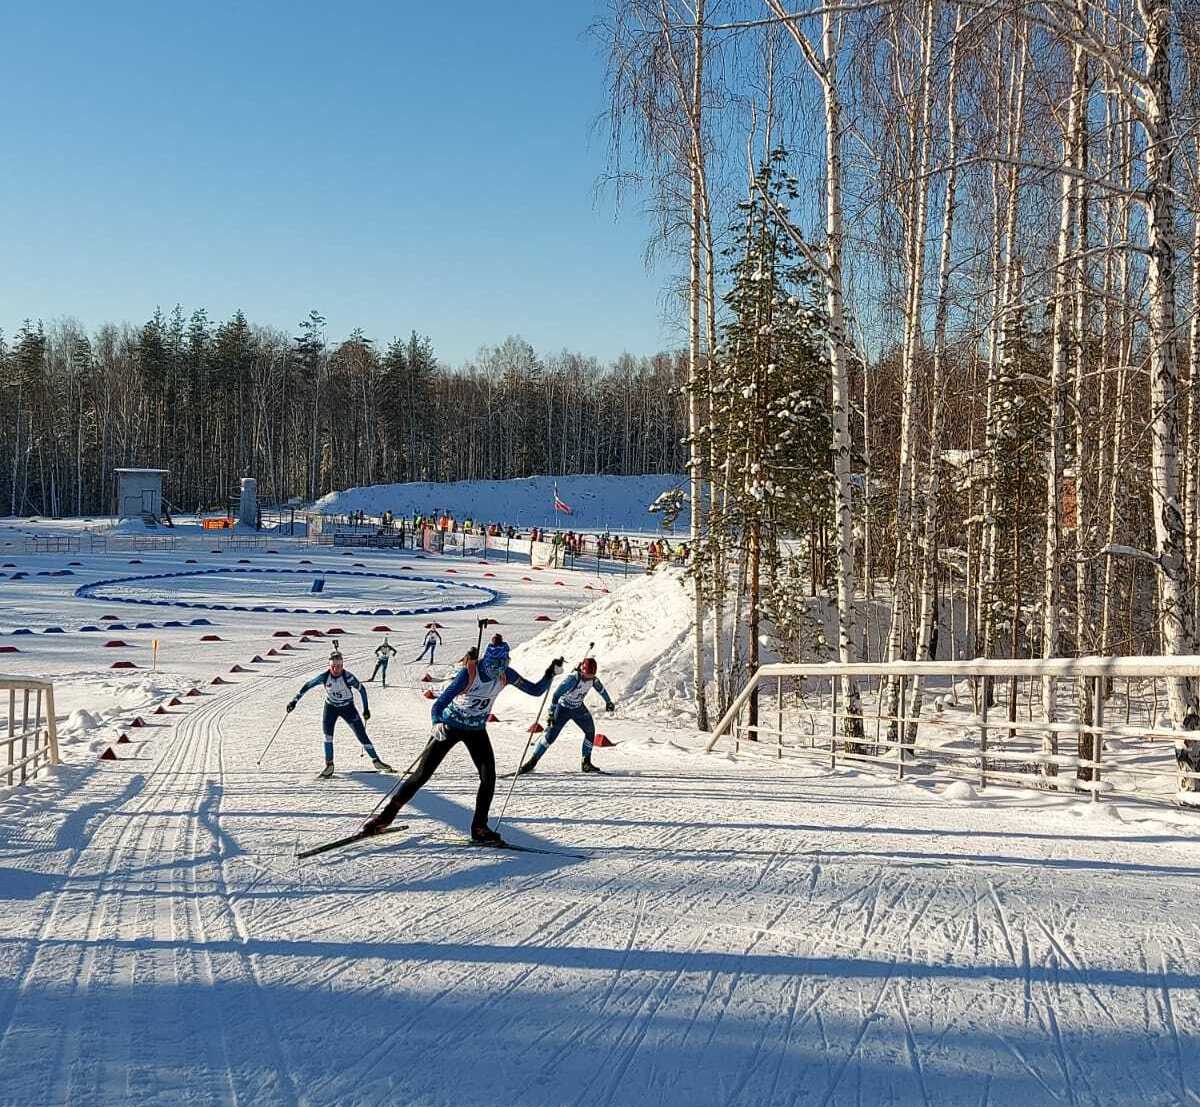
1007,264
906,504
1061,339
1175,617
825,67
695,465
929,612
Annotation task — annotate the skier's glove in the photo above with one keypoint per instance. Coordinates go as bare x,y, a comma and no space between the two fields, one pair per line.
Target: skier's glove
366,712
438,733
551,715
555,667
610,708
291,706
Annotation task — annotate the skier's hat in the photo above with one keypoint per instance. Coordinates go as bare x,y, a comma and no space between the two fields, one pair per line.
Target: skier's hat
496,655
336,655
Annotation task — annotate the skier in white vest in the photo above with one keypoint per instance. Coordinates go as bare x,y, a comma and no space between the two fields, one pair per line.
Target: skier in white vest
432,641
384,652
460,714
340,687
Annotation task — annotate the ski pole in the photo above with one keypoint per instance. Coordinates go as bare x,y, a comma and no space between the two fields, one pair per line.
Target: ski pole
532,731
517,774
272,739
401,780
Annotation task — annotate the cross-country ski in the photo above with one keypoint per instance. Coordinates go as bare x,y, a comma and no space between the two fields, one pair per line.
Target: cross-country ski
349,839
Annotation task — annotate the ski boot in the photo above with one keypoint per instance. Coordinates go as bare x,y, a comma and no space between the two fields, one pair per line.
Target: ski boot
528,766
485,836
326,772
381,766
586,766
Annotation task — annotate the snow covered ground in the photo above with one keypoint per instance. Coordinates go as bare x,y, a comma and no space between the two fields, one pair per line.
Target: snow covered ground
741,932
598,503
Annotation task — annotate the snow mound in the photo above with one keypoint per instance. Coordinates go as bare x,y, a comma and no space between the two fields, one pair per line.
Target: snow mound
642,643
81,721
598,503
959,790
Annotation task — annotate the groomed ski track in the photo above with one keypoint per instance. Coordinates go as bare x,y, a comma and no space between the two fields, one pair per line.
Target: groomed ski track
742,934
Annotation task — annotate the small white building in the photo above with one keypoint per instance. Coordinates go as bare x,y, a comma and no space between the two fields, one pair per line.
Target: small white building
139,493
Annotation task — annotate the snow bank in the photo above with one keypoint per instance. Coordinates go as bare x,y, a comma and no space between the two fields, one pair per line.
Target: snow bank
598,503
642,634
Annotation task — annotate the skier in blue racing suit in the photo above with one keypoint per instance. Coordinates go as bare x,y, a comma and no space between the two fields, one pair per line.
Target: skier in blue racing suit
567,706
460,714
340,687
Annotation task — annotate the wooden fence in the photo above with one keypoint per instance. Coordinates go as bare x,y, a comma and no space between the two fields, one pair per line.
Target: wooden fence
30,736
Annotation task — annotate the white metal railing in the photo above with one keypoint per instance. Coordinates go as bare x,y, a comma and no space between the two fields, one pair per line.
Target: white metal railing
29,738
976,730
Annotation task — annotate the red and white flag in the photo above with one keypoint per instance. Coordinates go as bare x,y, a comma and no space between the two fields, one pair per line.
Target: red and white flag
558,504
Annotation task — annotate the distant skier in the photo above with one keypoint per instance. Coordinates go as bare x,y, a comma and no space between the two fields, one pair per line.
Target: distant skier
384,652
339,688
432,641
460,715
567,706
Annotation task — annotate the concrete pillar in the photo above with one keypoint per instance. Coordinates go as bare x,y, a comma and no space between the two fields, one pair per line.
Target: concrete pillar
248,508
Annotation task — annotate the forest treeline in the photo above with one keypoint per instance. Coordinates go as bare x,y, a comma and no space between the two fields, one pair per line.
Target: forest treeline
213,402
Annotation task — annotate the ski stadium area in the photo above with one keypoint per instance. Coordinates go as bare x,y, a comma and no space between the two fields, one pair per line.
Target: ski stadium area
705,928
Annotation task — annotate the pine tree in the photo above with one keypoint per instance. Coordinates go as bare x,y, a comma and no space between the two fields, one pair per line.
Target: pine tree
769,414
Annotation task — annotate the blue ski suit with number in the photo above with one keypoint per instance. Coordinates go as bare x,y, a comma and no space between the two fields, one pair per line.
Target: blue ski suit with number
567,706
460,714
339,704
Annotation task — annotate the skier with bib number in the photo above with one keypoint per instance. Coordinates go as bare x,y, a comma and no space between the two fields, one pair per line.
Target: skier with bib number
432,641
384,652
460,714
567,706
340,685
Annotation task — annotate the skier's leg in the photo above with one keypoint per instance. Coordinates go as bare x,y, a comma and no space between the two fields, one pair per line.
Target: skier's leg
561,717
328,718
351,715
435,752
479,746
383,676
587,724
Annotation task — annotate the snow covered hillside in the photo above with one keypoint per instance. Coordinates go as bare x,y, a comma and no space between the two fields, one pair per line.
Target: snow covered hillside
734,932
598,503
641,635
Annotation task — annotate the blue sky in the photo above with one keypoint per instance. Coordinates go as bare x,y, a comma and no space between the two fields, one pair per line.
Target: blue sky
395,165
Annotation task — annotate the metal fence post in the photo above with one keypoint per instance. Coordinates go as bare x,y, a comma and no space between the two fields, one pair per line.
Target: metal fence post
12,722
25,737
779,713
833,720
983,714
